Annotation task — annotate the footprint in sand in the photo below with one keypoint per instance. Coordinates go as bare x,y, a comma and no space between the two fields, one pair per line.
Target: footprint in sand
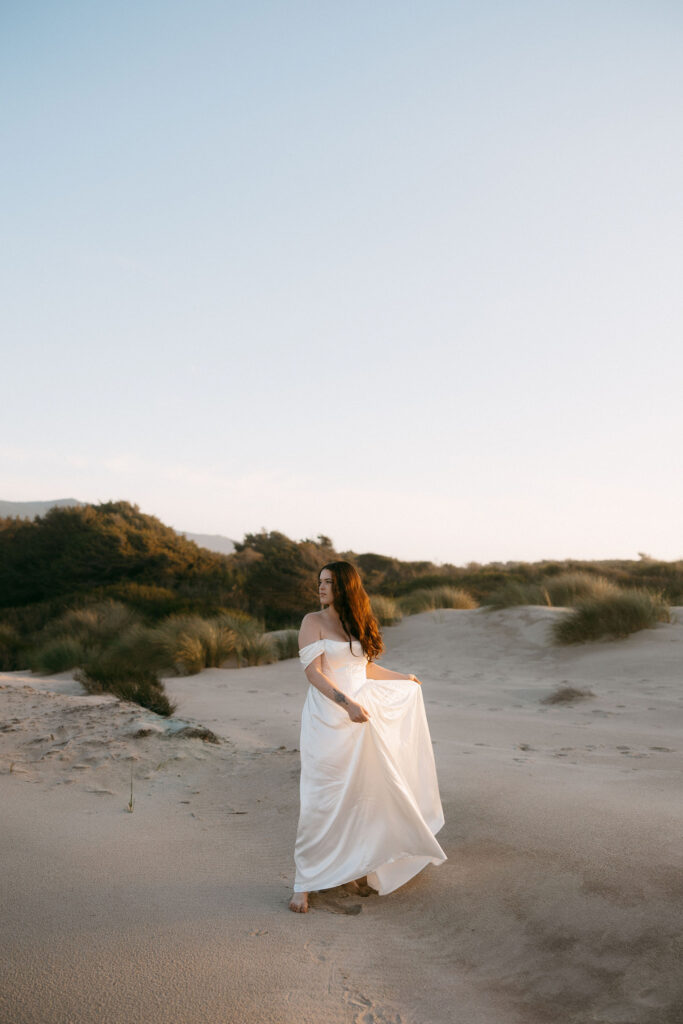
333,904
367,1011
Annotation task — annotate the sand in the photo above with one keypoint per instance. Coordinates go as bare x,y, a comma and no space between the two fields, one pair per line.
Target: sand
560,900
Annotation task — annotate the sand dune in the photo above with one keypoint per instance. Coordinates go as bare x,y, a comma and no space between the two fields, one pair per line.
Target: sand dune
560,901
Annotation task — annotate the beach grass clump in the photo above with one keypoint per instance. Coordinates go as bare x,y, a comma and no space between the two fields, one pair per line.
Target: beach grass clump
95,625
454,597
190,643
614,615
513,593
253,645
57,655
104,673
565,589
429,599
257,650
285,643
386,610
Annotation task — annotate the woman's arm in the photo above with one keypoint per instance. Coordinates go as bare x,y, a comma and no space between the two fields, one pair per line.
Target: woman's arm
375,671
308,634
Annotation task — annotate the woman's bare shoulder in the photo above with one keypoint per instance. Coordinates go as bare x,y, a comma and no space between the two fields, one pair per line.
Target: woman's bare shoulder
311,628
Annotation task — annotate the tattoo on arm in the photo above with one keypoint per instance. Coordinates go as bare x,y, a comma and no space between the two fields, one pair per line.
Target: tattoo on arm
340,697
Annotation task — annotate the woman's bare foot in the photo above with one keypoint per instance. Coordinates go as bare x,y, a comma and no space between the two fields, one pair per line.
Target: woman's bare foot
360,887
299,903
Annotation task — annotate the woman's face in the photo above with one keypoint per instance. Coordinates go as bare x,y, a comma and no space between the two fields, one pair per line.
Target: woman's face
326,587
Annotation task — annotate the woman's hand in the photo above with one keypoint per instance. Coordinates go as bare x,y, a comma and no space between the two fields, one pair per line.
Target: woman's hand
357,713
414,679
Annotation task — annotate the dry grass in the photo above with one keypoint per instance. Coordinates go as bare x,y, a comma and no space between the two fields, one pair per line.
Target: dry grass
191,643
511,594
616,614
429,599
386,610
566,589
285,643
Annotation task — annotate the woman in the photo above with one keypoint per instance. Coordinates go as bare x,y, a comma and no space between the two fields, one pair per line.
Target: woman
370,805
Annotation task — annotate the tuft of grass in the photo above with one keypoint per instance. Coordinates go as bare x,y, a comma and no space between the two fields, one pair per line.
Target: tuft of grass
103,673
285,643
96,625
513,593
191,643
616,614
567,695
141,646
58,655
253,646
256,650
565,589
386,610
428,599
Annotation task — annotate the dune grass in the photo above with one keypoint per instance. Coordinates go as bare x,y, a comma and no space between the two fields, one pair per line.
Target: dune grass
57,655
386,610
190,643
285,643
565,589
613,615
94,625
103,673
429,599
513,593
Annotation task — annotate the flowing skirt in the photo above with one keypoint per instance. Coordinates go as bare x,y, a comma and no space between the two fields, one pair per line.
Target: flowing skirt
370,800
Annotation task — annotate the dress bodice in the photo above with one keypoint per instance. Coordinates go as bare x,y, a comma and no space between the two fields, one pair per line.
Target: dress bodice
345,665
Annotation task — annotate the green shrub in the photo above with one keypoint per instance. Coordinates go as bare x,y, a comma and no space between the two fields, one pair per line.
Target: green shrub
103,673
565,589
140,646
10,646
285,643
430,598
614,615
152,601
58,655
387,610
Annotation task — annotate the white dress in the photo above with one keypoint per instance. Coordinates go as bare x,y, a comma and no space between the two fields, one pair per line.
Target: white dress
370,800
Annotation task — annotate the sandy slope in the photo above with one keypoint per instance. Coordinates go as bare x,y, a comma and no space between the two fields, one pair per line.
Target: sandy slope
560,901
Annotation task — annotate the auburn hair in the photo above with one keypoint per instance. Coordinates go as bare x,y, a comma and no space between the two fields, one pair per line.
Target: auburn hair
352,604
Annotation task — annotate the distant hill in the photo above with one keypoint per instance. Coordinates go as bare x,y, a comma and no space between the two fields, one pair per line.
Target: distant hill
212,542
71,550
31,509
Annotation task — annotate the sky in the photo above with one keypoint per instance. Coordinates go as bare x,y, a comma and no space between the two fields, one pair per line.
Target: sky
407,275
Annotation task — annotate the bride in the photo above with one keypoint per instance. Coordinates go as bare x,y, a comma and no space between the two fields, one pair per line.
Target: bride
370,804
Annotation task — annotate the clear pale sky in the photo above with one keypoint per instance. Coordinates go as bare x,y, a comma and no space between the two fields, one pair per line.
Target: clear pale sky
405,274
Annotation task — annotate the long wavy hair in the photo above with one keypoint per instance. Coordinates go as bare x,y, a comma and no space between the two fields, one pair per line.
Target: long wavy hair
352,604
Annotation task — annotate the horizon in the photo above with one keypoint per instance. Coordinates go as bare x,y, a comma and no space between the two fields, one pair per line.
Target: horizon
193,534
406,278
